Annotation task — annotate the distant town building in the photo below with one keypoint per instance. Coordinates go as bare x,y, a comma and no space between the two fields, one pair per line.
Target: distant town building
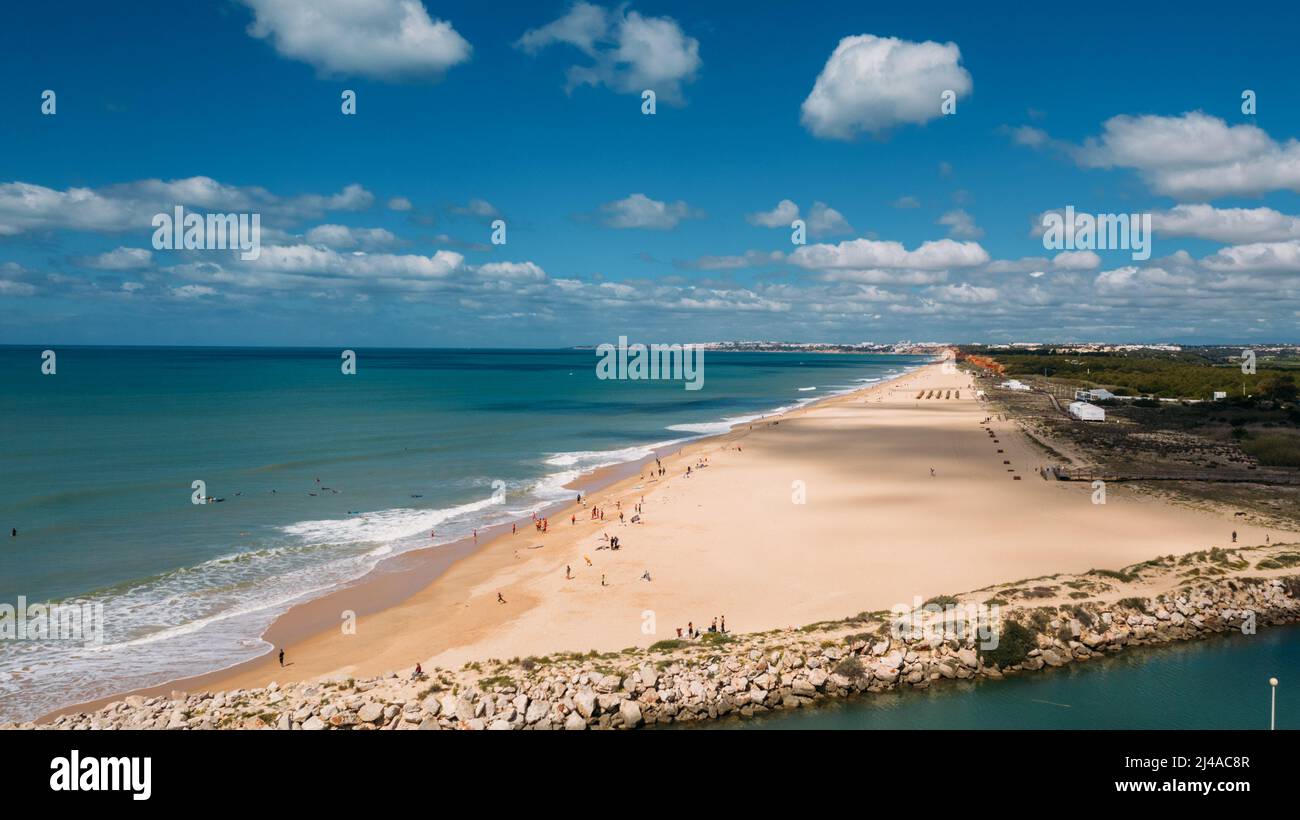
1083,411
1098,394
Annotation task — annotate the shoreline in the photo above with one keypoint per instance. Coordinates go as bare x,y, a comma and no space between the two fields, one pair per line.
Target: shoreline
396,580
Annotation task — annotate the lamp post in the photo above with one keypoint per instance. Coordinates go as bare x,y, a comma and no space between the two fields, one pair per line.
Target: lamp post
1272,714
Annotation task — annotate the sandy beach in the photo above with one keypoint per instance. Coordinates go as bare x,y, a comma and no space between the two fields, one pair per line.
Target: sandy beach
875,528
824,512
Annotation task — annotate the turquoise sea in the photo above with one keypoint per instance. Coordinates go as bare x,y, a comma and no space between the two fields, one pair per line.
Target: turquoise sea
1221,683
321,476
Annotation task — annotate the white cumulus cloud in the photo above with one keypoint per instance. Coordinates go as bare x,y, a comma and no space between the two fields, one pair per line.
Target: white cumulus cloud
629,52
871,84
640,211
781,216
1233,225
870,253
383,39
1194,155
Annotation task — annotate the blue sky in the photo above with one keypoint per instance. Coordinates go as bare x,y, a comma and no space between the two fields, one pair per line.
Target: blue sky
652,227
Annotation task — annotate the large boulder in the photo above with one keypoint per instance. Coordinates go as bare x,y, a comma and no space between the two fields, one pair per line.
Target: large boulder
585,703
574,722
631,713
537,710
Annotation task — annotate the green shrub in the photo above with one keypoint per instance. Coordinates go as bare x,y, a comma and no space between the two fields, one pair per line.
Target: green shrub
850,668
1014,645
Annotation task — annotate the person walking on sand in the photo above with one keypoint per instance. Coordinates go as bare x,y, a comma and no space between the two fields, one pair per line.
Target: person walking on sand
723,627
568,573
514,528
282,657
500,600
1234,536
602,580
931,472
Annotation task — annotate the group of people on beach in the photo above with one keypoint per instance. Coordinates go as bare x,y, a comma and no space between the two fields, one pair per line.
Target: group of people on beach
719,626
659,468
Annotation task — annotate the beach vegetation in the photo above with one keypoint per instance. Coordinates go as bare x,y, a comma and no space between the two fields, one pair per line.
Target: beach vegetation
1140,604
820,626
1041,618
1082,615
1228,558
502,681
1015,642
850,668
668,645
943,600
1185,374
1273,449
1280,561
1121,575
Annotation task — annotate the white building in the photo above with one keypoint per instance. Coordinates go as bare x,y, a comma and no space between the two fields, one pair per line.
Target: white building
1015,384
1098,394
1083,411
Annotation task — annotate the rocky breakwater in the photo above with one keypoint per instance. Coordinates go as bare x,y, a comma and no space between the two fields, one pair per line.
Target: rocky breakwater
723,675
